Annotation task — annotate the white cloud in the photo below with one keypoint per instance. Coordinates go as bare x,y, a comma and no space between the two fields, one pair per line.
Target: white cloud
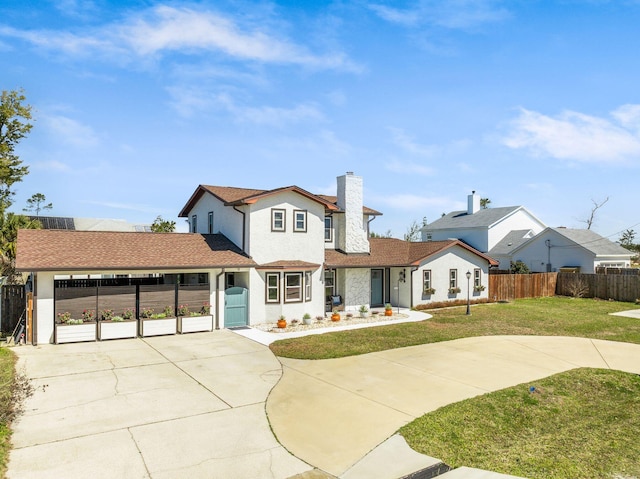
412,202
576,136
167,29
71,132
268,115
452,14
407,167
53,165
407,144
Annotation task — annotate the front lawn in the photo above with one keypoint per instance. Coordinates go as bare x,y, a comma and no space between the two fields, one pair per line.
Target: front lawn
556,316
578,424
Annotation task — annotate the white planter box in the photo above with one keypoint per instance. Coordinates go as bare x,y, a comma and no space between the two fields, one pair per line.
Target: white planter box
158,327
118,329
75,333
194,324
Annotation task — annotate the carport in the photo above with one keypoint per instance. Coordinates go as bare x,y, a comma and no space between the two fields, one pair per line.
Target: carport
75,272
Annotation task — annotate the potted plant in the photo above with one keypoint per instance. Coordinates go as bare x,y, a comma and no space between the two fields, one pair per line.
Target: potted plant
194,321
117,326
306,319
70,330
363,311
158,324
335,315
429,291
348,315
388,311
282,322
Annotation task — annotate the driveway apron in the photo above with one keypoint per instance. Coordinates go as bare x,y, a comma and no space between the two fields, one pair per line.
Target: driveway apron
162,407
332,413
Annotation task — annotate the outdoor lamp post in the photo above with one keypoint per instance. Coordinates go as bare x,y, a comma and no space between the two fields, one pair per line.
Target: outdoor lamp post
468,275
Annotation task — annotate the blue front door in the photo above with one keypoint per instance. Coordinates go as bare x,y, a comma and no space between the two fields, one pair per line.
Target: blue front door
377,287
235,307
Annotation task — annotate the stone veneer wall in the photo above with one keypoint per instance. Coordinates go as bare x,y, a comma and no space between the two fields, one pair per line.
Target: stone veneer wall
358,284
353,237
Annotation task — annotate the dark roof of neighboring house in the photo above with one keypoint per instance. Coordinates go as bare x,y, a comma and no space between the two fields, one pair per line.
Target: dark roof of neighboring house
238,196
480,219
510,242
388,252
59,250
592,241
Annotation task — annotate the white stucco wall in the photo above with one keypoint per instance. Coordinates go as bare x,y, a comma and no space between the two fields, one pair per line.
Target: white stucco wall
266,246
440,264
226,220
44,308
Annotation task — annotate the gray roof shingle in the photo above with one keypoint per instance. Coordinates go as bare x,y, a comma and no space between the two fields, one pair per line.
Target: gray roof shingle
481,219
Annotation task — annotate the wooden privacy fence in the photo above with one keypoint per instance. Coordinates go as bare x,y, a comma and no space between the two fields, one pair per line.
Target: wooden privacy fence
619,287
13,306
505,287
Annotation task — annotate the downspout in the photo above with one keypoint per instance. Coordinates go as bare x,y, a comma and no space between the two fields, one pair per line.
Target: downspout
217,321
244,228
411,271
368,228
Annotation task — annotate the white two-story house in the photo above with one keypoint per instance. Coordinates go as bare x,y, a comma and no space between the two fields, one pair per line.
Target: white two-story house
253,255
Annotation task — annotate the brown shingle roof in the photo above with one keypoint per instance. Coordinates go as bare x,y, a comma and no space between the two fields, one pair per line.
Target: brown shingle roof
58,250
388,252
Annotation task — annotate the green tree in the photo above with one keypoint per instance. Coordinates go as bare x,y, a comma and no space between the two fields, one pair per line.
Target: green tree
37,203
161,225
10,223
14,126
519,267
484,203
626,238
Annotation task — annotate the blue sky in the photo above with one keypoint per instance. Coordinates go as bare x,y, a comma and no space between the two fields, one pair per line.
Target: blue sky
533,103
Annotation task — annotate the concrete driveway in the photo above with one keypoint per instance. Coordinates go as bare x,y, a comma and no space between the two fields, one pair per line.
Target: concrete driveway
341,414
165,407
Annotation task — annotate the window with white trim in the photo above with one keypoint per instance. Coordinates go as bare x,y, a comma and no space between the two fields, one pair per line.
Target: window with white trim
272,284
453,278
477,279
329,282
328,229
307,286
277,220
426,280
300,221
194,224
210,223
292,287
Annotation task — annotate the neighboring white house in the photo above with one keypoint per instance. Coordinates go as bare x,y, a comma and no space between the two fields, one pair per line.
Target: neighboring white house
484,228
254,255
577,249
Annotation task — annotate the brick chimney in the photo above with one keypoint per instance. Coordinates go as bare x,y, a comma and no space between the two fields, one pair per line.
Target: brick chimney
351,233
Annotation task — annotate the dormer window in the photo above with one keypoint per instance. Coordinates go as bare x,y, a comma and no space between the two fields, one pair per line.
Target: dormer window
277,220
300,221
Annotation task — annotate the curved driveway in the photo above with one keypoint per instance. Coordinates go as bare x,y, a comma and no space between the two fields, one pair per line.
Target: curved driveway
332,413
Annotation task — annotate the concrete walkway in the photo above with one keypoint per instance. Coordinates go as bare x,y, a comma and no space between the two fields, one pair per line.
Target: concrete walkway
341,414
165,407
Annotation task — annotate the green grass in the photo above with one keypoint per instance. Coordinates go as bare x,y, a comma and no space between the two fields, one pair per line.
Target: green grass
7,378
582,423
556,316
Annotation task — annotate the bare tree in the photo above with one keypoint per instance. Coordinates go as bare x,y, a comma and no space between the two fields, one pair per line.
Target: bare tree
413,232
596,207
